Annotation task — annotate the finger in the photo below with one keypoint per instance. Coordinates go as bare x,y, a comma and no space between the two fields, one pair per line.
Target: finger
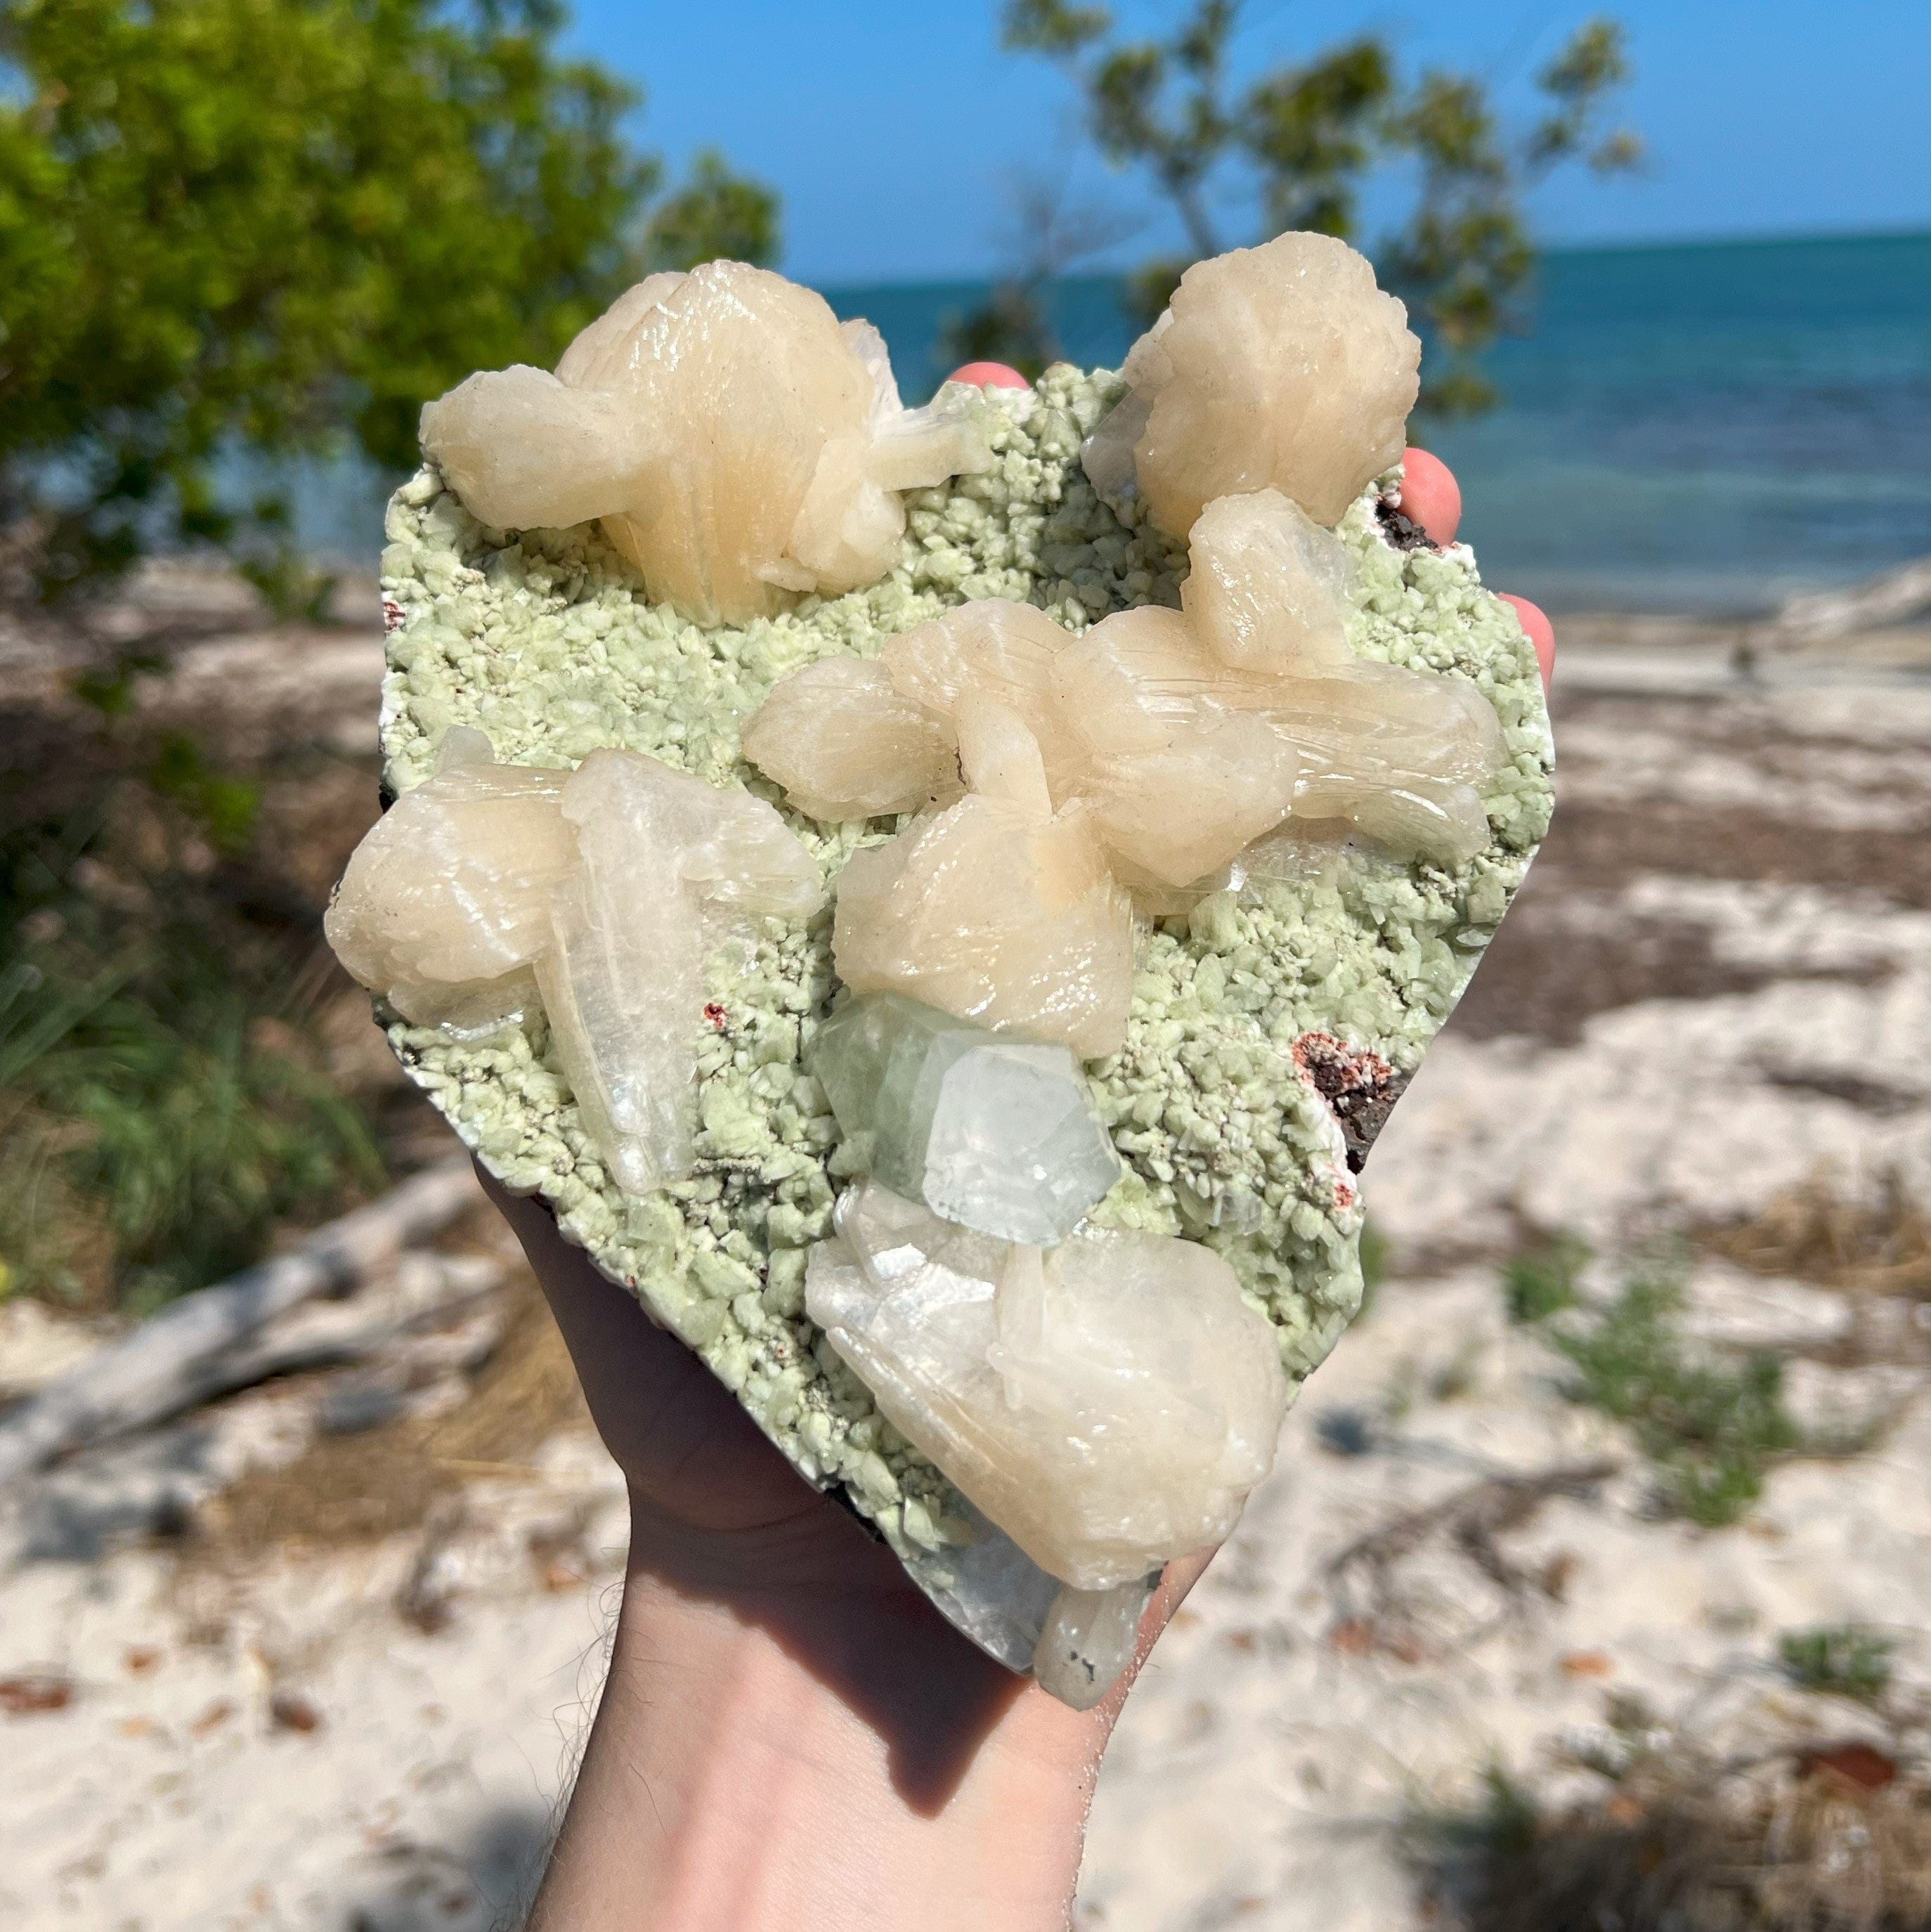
1430,496
989,376
1536,628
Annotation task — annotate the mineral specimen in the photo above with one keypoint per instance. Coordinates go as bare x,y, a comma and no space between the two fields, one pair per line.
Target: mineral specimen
445,905
995,1133
738,443
1283,366
1312,933
666,863
1108,1404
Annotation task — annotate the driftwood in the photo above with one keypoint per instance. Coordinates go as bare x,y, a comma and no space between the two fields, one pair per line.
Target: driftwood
171,1360
1817,617
437,1324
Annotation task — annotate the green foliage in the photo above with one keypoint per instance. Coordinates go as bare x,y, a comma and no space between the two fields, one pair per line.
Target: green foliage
715,216
1711,1431
162,1106
190,1135
1304,137
1542,1282
223,806
1839,1659
282,223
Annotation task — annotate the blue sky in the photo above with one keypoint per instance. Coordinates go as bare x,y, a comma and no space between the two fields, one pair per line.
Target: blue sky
893,131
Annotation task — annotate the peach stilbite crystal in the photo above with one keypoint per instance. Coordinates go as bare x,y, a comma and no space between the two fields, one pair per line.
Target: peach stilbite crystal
445,905
845,744
991,913
1267,587
739,444
1281,366
820,724
1108,1403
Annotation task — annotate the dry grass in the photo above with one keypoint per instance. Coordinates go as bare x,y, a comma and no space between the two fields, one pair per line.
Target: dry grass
1816,1233
363,1488
1833,1840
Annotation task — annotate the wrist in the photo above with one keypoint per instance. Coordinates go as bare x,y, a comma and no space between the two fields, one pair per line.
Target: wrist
805,1756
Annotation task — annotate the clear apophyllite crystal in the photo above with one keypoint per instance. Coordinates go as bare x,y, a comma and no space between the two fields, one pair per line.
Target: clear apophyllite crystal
996,1133
445,904
1281,366
1108,1404
989,912
1088,1639
738,443
668,865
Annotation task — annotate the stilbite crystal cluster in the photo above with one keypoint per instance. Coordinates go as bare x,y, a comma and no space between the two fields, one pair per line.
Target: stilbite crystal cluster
995,1133
996,913
1108,1403
1281,366
739,444
1156,747
611,884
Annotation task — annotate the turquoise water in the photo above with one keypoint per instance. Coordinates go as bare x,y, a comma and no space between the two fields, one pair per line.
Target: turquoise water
1702,427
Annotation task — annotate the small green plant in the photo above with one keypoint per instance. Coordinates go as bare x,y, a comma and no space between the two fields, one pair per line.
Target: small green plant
1839,1659
1711,1430
224,806
1542,1282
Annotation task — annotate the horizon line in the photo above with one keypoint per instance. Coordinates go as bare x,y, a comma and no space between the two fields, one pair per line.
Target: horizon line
1653,245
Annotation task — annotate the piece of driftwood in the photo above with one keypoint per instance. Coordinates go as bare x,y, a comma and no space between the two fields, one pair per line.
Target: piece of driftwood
416,1329
1817,616
163,1365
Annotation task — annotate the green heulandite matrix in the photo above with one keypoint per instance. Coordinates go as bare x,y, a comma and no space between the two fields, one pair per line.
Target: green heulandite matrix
1266,1013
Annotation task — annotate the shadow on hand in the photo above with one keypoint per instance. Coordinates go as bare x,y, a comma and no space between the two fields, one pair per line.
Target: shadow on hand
718,1516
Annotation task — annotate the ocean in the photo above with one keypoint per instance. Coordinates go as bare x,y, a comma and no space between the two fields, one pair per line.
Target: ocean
1699,428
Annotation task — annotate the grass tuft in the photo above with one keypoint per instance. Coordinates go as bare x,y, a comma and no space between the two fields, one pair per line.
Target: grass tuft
1542,1282
164,1104
1710,1429
1682,1842
1839,1660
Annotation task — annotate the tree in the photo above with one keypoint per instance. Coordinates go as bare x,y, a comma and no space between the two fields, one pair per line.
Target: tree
1301,140
277,224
